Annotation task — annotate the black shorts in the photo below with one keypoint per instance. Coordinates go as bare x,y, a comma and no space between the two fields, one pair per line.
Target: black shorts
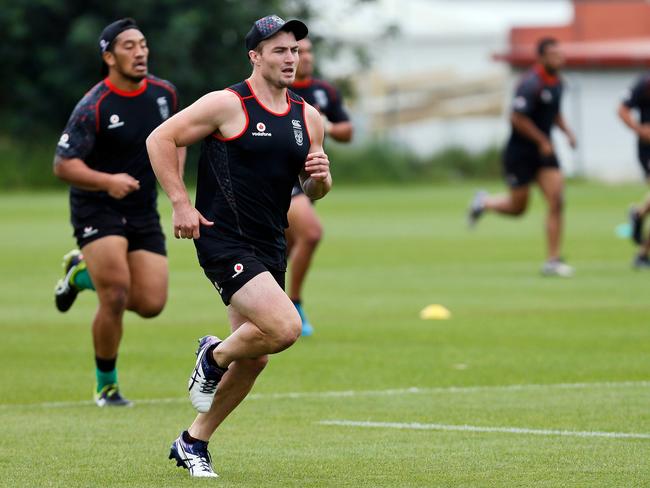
644,159
521,164
228,275
143,232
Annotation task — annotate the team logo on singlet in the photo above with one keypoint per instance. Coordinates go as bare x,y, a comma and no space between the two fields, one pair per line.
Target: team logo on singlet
261,130
163,107
546,96
238,268
297,131
63,142
115,122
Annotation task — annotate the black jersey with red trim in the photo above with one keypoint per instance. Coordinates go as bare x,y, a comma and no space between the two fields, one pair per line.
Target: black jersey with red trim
244,182
639,98
108,129
324,97
538,97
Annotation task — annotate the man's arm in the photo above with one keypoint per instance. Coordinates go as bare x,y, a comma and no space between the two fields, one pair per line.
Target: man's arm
339,131
315,178
76,143
77,173
188,126
564,127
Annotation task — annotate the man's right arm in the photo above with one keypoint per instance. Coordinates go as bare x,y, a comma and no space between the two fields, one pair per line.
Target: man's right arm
77,173
188,126
76,143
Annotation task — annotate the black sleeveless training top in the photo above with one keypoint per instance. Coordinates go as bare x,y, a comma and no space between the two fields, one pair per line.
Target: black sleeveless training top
244,182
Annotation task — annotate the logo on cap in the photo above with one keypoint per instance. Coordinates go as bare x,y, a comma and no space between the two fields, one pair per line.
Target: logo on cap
269,24
103,44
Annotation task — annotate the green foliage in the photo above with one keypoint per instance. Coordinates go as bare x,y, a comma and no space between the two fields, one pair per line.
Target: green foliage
27,165
50,56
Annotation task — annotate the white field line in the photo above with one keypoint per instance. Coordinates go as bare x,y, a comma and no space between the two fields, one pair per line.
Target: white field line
476,428
364,393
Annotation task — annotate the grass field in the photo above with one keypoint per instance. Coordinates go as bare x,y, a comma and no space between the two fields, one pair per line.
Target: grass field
378,397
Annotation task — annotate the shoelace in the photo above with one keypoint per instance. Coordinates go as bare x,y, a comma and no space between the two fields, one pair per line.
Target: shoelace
210,385
205,460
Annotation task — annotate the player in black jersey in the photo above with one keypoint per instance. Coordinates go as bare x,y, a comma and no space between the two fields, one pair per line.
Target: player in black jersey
102,155
258,137
529,155
639,99
305,229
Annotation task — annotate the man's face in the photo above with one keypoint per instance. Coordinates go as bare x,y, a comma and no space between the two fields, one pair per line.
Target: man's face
129,55
553,58
278,59
306,64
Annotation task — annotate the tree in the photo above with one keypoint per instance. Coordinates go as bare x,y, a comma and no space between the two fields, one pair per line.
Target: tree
50,54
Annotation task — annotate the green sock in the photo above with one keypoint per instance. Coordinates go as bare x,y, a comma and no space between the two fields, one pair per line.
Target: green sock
105,378
81,279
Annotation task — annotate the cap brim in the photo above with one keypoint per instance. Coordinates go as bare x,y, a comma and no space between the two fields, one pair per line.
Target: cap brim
298,28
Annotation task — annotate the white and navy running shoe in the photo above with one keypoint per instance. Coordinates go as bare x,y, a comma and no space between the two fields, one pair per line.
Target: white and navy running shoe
557,267
205,377
194,457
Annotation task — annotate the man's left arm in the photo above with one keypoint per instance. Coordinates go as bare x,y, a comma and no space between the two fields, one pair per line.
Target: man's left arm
564,127
337,121
315,177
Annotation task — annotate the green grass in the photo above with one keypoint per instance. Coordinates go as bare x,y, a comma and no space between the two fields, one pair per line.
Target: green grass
387,253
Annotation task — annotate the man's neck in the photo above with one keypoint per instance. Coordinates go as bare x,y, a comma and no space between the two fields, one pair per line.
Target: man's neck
124,84
271,96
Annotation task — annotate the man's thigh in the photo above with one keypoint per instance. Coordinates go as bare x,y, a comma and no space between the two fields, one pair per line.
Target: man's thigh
107,263
264,303
302,215
149,275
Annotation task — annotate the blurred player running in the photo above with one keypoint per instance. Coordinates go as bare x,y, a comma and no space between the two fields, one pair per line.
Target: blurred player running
639,99
305,229
529,156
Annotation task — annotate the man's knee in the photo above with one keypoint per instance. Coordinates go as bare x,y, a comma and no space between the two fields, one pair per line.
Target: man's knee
149,309
556,203
286,332
519,207
313,235
114,297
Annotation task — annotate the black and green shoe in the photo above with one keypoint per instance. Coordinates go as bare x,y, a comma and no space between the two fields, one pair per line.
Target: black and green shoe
65,293
109,396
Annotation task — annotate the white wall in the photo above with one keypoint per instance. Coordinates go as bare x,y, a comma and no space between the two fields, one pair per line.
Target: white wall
607,148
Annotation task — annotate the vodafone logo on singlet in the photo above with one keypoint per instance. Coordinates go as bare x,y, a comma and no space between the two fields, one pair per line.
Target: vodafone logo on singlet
261,130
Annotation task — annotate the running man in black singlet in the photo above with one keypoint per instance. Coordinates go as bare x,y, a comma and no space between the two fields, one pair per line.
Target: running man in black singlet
529,155
258,137
305,229
639,99
102,155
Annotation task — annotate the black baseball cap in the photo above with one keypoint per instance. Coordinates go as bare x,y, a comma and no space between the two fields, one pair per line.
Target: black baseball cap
269,26
110,32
